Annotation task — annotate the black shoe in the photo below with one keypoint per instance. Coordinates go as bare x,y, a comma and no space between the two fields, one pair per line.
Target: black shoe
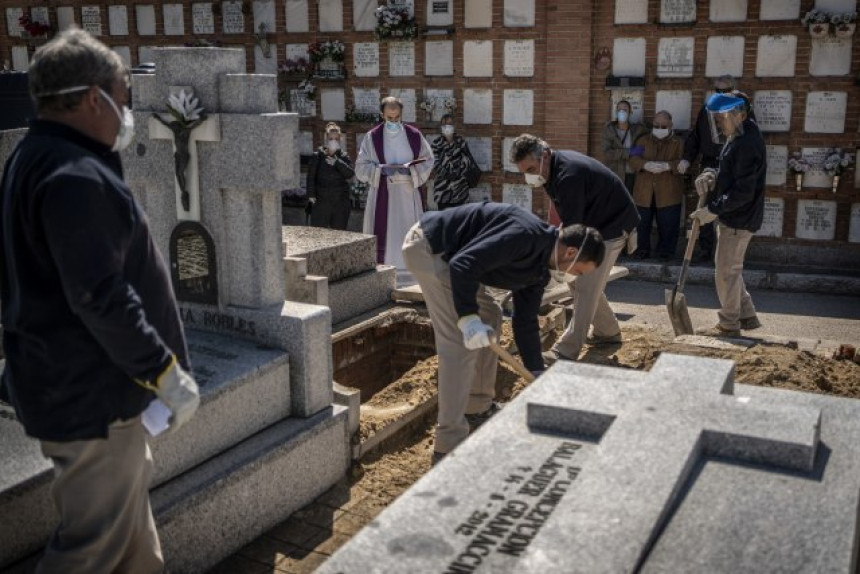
601,340
703,259
436,457
750,323
477,419
641,255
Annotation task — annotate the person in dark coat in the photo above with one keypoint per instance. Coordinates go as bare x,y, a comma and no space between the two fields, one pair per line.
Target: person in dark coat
329,173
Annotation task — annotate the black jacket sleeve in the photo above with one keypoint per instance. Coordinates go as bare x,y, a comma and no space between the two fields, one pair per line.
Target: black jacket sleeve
313,166
525,324
736,188
343,165
693,143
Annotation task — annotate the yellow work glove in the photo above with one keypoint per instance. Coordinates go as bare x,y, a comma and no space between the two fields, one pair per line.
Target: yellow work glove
178,391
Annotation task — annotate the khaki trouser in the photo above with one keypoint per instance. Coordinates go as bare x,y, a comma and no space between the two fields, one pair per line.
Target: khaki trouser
467,379
101,492
590,306
735,300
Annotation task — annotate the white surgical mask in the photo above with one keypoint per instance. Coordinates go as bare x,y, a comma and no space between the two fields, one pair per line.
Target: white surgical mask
392,127
660,133
566,276
536,179
126,124
447,130
333,145
622,116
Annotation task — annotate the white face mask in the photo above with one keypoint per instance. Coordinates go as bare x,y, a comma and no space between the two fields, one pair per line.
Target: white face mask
622,116
660,133
333,145
392,127
447,130
126,124
536,179
566,276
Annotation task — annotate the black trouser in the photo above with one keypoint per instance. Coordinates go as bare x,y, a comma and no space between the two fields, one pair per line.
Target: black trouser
331,211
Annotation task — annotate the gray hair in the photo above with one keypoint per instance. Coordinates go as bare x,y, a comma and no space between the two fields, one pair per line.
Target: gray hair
73,58
727,79
525,145
390,101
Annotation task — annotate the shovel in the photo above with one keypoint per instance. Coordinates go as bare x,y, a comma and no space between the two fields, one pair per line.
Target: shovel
676,303
510,360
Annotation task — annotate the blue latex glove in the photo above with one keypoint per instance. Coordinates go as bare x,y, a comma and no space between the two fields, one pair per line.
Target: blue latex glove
637,151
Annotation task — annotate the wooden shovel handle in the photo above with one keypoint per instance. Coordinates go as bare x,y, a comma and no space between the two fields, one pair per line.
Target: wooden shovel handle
513,362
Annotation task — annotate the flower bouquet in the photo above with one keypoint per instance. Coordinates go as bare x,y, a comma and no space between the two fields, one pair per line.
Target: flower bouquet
835,163
798,166
427,106
33,29
818,23
353,115
328,58
294,67
185,108
450,104
844,24
394,23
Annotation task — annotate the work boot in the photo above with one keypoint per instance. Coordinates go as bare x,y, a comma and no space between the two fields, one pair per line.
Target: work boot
750,323
475,420
436,457
601,340
719,331
551,356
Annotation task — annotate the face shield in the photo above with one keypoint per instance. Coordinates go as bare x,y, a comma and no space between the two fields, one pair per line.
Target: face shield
725,117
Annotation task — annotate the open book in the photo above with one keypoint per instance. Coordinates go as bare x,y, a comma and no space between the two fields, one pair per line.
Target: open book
415,161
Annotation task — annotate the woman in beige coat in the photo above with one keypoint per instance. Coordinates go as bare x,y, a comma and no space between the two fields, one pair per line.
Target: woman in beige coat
617,140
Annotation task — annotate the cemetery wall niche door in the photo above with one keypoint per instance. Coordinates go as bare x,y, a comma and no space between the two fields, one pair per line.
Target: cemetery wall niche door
192,264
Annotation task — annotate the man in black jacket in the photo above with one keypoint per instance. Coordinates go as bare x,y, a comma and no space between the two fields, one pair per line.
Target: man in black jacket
735,193
587,192
92,330
453,254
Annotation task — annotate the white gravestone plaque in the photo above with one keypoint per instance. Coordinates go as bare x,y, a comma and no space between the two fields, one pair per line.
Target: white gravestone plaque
364,15
333,104
484,192
728,11
263,64
777,164
124,53
677,11
854,224
234,19
771,225
675,57
478,58
830,57
478,13
118,20
91,20
409,5
478,106
507,164
773,110
41,15
836,6
408,99
633,97
306,143
65,17
628,57
816,219
202,19
825,112
725,56
439,58
440,12
174,24
264,13
679,103
366,100
145,19
20,58
518,194
519,13
297,52
776,56
482,150
302,105
331,15
401,59
519,58
365,57
144,54
297,16
13,28
816,176
631,11
438,97
779,10
517,108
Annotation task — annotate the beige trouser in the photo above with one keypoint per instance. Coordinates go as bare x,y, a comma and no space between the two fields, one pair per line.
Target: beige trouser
735,300
467,379
590,306
101,492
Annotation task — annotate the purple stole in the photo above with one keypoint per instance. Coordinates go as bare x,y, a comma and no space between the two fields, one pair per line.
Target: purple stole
380,223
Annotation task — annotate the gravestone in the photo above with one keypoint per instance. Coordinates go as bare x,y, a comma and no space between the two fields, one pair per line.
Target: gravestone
600,469
836,6
331,15
366,100
174,22
438,97
477,106
773,110
631,11
401,58
202,19
91,20
854,224
478,13
518,107
483,192
677,11
118,20
478,58
518,194
264,13
20,58
366,59
364,15
439,58
725,56
306,143
825,112
124,53
628,57
232,16
408,99
507,164
776,56
13,28
145,14
815,177
440,12
634,97
481,149
830,57
777,164
519,58
771,225
297,16
816,219
65,17
675,57
779,10
679,103
728,11
519,13
333,104
40,14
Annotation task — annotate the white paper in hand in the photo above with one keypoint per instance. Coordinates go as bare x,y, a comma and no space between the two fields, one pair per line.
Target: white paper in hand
156,418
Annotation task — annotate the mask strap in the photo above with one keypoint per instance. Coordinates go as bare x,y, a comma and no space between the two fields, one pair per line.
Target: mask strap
64,91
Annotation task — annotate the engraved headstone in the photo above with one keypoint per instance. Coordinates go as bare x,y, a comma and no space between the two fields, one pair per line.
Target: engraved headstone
633,97
440,12
483,192
777,164
628,57
517,107
401,58
776,56
519,13
773,110
91,19
297,52
65,17
675,57
478,58
677,11
836,6
439,58
816,176
679,103
124,53
725,56
771,225
40,14
118,20
825,112
365,56
779,10
202,19
20,58
193,267
854,224
478,13
145,14
364,15
728,11
366,100
518,194
13,28
830,57
331,15
631,11
233,17
507,164
333,102
816,219
478,106
174,24
297,16
482,150
264,13
519,58
306,143
408,98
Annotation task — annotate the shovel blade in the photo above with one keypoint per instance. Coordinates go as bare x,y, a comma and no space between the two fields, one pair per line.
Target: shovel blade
676,303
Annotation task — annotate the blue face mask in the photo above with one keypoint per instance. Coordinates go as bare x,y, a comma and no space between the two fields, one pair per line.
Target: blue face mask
392,127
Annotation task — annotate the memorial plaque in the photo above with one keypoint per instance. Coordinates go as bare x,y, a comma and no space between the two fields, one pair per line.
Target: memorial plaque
679,103
675,57
628,57
41,15
507,164
477,106
364,15
264,13
202,19
331,15
13,16
297,52
776,56
854,224
725,56
124,53
306,143
482,150
366,100
830,57
439,58
779,10
773,110
233,18
408,99
263,64
816,219
677,11
174,24
483,192
438,97
20,58
519,13
440,12
519,58
631,11
478,13
777,164
729,11
478,58
65,17
118,20
517,107
401,58
771,225
518,194
302,105
825,112
144,54
145,14
409,5
91,19
193,265
836,6
297,16
333,104
634,97
816,176
365,56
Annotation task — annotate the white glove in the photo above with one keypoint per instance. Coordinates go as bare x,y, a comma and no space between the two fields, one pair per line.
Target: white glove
683,166
312,200
179,393
706,181
650,166
330,159
704,215
476,333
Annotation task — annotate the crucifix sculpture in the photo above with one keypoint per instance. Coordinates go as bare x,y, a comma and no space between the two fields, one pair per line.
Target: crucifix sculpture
181,157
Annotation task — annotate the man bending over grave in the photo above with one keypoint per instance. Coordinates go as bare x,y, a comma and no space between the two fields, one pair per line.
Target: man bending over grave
456,253
92,330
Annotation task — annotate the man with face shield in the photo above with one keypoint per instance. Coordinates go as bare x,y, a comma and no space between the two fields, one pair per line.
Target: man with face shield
454,254
92,329
735,199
